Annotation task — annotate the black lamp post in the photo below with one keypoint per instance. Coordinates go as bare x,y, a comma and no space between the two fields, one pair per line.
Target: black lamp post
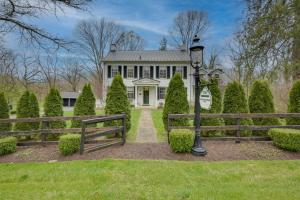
196,56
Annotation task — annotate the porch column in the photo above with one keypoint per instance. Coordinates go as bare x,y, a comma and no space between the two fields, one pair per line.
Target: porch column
135,96
156,96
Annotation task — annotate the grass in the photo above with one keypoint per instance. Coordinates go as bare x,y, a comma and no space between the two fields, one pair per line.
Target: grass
158,124
135,118
133,179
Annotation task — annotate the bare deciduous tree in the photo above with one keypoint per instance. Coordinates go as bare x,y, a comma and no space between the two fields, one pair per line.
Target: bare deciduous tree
130,41
28,71
49,69
73,73
8,70
95,38
14,15
187,24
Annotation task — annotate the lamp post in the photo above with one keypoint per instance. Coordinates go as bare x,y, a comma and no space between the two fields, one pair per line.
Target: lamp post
196,57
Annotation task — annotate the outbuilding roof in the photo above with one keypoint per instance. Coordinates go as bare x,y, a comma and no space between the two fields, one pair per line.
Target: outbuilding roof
69,95
148,56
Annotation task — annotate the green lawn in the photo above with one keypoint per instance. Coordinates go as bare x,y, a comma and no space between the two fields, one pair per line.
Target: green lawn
158,124
133,179
135,118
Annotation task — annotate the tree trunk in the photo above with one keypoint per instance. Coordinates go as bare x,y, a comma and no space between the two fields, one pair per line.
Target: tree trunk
296,42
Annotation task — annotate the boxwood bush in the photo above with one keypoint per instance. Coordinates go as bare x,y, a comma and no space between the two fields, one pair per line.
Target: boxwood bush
288,139
8,145
181,140
69,144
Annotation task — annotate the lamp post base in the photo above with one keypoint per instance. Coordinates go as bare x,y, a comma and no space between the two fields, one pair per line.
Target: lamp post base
199,151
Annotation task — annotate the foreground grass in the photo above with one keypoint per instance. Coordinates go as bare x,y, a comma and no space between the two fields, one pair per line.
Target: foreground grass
135,118
130,179
158,124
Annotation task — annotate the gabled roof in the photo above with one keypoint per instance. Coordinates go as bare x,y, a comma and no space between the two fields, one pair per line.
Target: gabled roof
69,95
148,56
145,81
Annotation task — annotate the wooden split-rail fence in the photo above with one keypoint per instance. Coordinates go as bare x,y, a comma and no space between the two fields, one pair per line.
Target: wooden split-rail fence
238,127
89,134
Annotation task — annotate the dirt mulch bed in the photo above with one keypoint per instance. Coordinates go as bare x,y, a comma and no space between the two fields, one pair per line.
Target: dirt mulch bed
217,151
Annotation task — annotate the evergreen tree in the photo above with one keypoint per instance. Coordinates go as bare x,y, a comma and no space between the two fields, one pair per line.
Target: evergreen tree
176,101
27,107
53,107
117,102
4,113
235,102
261,101
85,105
294,103
216,107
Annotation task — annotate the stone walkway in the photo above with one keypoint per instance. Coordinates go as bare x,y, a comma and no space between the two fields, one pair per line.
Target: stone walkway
146,132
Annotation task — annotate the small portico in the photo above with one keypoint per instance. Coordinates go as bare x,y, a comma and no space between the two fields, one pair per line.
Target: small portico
146,90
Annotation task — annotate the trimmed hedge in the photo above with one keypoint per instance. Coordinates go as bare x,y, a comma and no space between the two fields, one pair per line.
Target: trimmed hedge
85,105
176,102
69,144
288,139
261,101
117,102
181,140
8,145
235,102
4,113
294,104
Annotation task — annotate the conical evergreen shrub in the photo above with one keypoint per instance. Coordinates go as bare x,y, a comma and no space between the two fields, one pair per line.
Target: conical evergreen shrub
294,103
216,107
261,101
4,113
27,107
176,101
117,102
235,102
85,105
53,107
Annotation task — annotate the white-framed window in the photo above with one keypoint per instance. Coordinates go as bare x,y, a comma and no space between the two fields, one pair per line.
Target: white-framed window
146,72
114,71
130,72
162,92
130,93
162,72
180,71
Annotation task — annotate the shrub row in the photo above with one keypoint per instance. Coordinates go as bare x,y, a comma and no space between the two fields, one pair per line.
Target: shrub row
288,139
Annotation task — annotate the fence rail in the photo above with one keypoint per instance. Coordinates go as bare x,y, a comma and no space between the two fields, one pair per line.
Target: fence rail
238,127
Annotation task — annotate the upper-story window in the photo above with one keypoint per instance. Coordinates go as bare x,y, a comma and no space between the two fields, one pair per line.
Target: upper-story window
146,72
162,72
114,71
179,70
130,72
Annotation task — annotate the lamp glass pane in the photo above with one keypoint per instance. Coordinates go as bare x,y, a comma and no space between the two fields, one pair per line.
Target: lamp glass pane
196,56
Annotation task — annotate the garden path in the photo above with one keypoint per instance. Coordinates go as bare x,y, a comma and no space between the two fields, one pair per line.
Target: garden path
146,131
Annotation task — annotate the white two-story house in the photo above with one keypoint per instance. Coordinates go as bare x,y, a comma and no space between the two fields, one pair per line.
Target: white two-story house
147,73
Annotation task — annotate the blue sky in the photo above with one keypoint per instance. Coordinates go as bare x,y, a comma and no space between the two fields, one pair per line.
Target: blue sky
153,18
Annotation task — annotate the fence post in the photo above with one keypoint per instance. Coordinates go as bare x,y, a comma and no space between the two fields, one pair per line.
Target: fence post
82,140
238,132
45,126
124,129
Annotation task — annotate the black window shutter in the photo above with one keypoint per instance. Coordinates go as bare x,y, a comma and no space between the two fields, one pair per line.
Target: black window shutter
120,70
108,71
157,72
125,71
135,71
157,93
185,72
168,72
133,92
174,70
141,71
151,72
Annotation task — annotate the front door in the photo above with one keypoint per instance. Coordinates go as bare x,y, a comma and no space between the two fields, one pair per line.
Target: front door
146,97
